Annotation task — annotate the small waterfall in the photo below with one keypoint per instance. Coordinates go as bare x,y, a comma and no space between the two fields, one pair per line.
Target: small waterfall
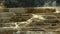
50,3
54,3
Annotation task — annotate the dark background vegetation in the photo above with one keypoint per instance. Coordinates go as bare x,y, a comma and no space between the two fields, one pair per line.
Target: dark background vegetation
26,3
